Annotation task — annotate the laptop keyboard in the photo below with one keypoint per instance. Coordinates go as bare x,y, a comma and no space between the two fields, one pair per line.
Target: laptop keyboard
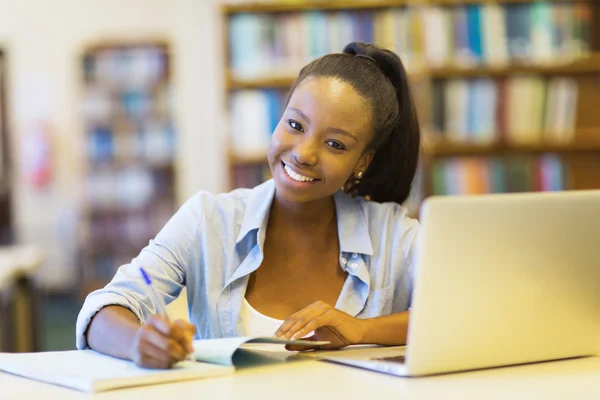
398,359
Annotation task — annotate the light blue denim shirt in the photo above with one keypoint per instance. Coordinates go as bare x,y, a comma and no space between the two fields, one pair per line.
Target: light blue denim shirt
214,242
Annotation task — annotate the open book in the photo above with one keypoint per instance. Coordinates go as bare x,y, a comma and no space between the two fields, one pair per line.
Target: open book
89,371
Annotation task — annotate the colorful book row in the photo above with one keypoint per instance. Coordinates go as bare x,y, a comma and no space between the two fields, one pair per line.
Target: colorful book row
267,45
126,66
522,109
498,175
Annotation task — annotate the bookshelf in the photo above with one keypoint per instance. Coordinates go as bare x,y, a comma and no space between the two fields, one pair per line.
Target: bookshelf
506,54
6,233
129,146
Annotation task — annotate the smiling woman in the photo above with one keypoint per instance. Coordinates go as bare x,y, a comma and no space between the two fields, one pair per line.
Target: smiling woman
305,252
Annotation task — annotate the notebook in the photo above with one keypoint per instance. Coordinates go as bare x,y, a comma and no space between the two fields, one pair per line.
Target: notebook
89,371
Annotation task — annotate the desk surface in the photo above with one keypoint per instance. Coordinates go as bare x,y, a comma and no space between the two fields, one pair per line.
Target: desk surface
568,379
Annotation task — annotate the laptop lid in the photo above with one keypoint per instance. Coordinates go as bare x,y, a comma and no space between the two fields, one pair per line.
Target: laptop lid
505,279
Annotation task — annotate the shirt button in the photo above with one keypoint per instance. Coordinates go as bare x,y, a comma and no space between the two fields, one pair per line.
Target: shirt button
353,265
354,255
344,260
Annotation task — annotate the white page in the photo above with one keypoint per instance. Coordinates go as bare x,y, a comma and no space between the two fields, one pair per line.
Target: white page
89,371
220,351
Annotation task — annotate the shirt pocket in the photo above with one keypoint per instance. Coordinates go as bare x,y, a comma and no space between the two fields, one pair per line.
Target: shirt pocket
378,303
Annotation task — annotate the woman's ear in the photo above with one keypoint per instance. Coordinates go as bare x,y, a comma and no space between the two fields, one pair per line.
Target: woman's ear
365,161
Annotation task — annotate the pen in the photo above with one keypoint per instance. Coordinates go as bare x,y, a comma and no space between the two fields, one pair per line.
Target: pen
159,303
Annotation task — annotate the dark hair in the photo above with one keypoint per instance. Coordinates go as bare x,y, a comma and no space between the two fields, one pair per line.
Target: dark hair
379,76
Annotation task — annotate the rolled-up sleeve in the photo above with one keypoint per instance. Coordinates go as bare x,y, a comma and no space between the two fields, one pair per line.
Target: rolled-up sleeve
167,259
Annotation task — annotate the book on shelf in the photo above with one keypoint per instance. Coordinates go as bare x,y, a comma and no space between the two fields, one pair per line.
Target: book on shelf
493,34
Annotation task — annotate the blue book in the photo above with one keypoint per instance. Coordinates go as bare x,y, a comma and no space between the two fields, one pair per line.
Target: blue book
274,105
474,31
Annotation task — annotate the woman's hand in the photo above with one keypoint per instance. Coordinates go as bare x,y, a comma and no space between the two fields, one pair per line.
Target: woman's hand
328,324
160,343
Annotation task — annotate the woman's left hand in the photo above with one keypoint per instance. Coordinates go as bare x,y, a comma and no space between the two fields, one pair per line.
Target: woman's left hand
328,324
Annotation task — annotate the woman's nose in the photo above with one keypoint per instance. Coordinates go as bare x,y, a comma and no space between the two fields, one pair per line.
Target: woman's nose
306,152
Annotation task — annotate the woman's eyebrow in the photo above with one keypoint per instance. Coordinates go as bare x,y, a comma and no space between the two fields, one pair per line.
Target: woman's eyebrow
334,130
340,131
300,113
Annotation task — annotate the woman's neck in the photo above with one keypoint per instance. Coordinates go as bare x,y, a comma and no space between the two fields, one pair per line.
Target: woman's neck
316,216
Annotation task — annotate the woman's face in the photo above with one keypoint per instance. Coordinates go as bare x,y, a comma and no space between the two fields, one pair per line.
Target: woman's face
320,140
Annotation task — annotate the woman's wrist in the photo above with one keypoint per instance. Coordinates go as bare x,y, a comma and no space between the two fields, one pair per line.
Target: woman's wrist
389,330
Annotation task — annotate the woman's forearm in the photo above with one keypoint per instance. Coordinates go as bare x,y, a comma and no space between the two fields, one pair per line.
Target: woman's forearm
389,330
112,331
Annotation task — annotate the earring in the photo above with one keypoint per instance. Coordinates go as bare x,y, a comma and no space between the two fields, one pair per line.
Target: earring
359,174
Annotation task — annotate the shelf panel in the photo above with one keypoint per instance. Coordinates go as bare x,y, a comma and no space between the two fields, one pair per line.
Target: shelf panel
278,7
449,149
299,6
587,65
250,159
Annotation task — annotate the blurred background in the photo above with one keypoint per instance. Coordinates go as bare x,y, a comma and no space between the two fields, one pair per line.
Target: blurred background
113,113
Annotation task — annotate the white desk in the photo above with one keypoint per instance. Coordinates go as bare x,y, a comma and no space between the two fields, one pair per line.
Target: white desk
18,309
308,380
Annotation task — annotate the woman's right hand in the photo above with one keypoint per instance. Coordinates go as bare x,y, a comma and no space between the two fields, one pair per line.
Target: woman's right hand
160,343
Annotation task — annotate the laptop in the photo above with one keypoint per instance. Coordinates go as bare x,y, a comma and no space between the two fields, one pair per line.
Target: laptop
500,280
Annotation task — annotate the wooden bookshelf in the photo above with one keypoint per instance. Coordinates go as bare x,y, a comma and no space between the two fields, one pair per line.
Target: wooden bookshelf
580,155
130,146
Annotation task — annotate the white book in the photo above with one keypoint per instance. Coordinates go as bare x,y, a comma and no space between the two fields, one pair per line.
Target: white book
436,43
249,122
402,36
493,23
561,110
457,110
89,371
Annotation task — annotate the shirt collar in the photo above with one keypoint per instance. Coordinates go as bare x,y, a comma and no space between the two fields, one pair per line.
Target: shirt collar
353,231
257,209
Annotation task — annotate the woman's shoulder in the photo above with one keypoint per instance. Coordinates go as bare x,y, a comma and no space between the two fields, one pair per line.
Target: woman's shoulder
234,203
205,201
384,213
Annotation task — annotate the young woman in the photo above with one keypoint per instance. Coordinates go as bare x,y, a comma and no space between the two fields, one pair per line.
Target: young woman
323,249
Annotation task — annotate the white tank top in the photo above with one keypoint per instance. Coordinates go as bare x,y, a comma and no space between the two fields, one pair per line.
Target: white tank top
257,324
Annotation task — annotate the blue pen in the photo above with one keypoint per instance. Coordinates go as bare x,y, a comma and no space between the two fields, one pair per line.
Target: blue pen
159,303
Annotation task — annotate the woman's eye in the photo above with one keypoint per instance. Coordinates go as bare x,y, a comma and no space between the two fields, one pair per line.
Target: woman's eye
295,125
336,145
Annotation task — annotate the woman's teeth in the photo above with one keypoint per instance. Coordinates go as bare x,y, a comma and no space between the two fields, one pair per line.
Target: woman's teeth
295,176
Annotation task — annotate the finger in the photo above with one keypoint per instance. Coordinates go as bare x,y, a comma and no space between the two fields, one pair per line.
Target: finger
300,328
310,311
303,328
153,357
164,343
291,320
161,324
183,333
